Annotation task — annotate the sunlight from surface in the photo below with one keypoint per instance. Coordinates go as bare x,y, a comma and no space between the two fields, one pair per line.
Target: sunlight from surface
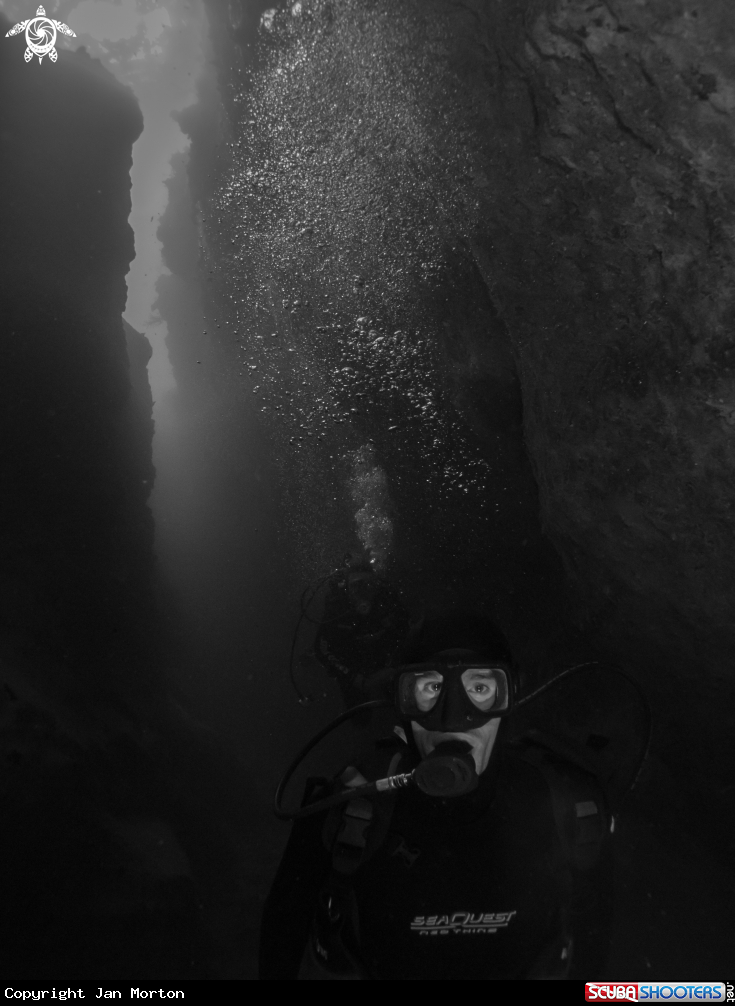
157,51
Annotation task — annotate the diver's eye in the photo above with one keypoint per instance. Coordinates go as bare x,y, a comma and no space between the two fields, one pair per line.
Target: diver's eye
482,691
426,692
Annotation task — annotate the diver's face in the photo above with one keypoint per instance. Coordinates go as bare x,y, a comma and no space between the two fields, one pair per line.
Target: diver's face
362,592
481,740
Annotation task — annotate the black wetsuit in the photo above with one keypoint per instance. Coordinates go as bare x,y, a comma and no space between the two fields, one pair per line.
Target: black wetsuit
475,888
351,646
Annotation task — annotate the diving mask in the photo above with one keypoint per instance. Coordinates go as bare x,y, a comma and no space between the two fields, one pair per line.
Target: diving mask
450,696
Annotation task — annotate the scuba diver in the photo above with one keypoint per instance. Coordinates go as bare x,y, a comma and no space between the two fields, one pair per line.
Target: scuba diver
363,626
477,854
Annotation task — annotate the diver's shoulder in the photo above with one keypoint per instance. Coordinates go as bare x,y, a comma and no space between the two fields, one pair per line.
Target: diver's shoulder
542,748
520,774
531,764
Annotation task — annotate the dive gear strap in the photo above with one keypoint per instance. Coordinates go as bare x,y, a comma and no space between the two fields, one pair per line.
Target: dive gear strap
332,948
352,832
577,800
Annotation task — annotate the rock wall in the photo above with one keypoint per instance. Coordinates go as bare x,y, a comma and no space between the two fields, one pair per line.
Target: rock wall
77,535
608,238
119,811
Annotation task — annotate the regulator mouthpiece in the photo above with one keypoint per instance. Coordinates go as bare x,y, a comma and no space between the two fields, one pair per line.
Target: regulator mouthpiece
448,771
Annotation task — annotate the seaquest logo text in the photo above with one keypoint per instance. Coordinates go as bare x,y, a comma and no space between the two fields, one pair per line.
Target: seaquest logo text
461,922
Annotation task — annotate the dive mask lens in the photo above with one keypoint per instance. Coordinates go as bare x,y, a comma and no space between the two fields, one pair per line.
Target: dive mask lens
414,692
422,690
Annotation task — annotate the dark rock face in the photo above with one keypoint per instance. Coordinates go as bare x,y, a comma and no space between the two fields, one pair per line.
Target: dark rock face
76,445
100,840
624,331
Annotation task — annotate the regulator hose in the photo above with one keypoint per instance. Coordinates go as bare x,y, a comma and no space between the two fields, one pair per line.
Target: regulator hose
337,798
399,781
647,718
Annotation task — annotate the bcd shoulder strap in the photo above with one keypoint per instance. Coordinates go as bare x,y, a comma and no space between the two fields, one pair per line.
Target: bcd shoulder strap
577,800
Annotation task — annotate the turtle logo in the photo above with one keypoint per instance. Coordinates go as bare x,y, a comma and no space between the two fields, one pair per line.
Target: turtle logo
40,35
